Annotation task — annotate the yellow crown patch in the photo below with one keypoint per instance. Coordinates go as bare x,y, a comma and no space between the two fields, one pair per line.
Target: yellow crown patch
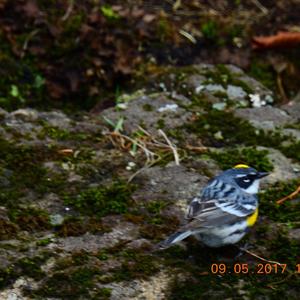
241,166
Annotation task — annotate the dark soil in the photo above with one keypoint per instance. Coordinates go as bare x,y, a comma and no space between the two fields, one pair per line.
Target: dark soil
83,54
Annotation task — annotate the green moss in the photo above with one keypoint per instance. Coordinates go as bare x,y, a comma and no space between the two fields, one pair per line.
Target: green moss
44,242
103,255
193,289
220,94
32,266
103,294
59,134
7,276
22,159
71,283
223,76
210,30
160,124
30,219
10,196
53,182
75,226
26,266
209,124
103,200
155,207
109,13
222,128
23,84
147,107
8,229
292,150
135,264
163,29
284,249
54,133
249,156
25,164
154,214
264,73
287,212
157,227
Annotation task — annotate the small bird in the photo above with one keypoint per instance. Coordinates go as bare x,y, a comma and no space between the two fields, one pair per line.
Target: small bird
227,207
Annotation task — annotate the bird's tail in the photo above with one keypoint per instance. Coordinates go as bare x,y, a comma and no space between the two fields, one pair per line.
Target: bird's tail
174,238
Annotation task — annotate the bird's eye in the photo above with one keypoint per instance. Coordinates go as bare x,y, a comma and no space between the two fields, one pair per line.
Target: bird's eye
246,180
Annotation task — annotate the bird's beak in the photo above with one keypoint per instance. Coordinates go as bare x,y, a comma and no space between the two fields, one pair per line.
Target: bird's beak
262,174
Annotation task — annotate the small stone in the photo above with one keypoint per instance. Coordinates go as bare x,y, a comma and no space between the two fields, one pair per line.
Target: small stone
56,219
218,135
130,165
235,92
219,106
27,114
12,296
122,106
214,88
56,119
266,117
162,86
255,100
168,107
294,234
199,89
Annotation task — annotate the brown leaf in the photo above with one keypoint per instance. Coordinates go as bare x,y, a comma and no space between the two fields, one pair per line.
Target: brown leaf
31,9
148,18
124,59
66,151
137,12
55,90
280,40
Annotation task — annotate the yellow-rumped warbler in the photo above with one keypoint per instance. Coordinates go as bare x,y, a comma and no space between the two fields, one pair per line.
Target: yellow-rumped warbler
223,212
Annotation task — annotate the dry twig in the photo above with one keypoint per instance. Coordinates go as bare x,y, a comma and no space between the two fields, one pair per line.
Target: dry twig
68,11
200,149
260,6
261,258
290,196
172,147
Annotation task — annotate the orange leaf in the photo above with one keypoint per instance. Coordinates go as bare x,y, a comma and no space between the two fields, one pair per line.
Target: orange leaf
280,40
66,151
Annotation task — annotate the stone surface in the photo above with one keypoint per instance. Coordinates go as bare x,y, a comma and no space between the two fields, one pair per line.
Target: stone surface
155,288
284,168
267,118
50,221
294,234
202,83
295,133
93,243
171,182
152,113
293,109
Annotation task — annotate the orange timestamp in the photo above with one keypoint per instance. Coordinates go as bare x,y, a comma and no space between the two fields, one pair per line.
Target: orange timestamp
243,268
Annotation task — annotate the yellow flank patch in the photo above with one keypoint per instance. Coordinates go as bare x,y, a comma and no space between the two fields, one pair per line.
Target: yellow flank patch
241,166
252,219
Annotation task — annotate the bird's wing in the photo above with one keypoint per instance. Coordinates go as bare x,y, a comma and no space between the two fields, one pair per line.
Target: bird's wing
220,203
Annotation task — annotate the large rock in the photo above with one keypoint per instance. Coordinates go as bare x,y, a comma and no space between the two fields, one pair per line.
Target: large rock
232,84
267,118
172,183
75,155
284,168
151,113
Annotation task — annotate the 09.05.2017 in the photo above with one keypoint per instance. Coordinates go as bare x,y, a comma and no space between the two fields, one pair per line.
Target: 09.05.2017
244,268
